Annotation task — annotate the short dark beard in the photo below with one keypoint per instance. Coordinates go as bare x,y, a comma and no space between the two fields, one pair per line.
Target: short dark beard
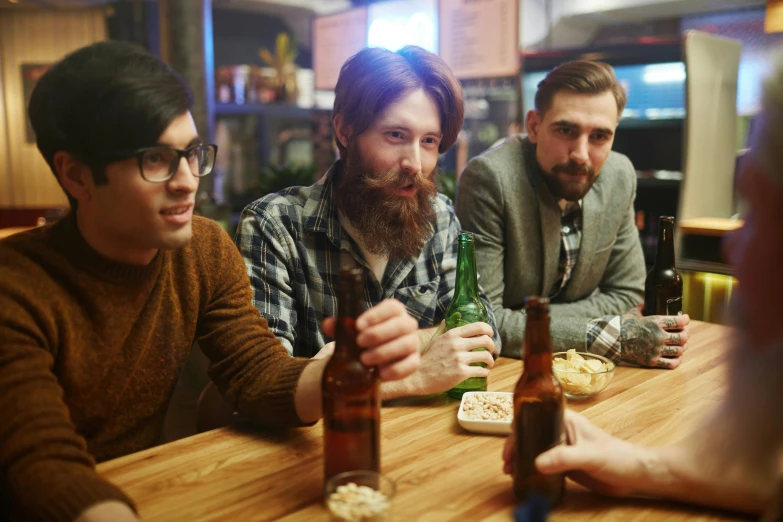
568,192
395,226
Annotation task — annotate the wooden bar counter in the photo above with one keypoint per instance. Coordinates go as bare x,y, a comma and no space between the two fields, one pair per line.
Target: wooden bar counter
443,472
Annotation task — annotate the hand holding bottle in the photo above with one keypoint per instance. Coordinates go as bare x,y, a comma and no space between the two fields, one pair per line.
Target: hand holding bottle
446,360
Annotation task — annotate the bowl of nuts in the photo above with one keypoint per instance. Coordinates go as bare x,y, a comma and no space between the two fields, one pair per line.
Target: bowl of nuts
487,412
359,496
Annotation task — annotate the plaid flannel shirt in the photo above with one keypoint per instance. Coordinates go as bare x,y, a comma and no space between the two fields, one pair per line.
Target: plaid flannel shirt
603,334
293,247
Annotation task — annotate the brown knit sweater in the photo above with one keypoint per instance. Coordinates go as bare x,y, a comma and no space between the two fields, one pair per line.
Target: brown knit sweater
90,351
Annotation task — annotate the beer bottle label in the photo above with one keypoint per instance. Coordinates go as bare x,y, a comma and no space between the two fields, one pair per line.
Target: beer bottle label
674,306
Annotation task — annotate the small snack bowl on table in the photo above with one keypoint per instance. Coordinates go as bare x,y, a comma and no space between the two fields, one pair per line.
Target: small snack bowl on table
487,412
359,496
582,375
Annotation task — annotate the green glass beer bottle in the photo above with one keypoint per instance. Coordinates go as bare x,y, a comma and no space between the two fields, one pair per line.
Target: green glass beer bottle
466,307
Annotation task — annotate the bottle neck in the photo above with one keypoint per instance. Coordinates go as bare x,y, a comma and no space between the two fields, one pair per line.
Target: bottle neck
466,284
349,309
664,256
538,344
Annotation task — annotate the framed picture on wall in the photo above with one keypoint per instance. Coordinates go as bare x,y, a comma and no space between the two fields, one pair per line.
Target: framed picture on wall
31,72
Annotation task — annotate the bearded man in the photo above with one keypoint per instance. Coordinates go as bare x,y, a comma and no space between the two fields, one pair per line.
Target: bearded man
734,459
553,215
376,208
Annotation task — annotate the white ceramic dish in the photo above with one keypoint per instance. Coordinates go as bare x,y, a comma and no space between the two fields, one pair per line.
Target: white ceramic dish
489,427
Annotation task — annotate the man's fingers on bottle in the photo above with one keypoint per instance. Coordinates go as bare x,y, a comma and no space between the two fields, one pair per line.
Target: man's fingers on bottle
476,371
480,356
473,330
383,311
328,326
484,342
469,344
391,328
397,348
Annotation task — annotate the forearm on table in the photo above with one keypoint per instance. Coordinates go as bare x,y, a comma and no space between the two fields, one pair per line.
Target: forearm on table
607,302
307,399
567,332
396,389
676,473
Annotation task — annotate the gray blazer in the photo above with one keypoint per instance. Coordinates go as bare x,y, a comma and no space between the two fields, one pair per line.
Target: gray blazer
502,199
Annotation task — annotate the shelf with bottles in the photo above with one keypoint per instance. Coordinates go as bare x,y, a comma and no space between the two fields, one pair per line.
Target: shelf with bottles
275,110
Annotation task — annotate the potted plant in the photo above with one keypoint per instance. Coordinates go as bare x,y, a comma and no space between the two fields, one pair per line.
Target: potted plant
282,61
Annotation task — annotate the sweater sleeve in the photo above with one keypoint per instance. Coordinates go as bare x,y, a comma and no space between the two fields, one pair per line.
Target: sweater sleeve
46,472
249,365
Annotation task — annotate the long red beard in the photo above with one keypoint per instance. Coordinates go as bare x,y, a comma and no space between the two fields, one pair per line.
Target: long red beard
393,225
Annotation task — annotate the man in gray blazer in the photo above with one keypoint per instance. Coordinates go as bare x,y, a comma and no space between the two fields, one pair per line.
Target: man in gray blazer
553,215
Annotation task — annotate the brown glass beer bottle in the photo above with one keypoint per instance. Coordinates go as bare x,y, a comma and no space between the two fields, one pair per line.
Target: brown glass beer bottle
351,391
663,288
538,408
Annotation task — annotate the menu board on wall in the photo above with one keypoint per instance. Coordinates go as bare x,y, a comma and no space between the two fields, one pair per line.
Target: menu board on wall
480,38
336,38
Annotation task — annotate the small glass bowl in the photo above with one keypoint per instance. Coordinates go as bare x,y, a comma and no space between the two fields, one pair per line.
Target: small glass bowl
594,382
348,500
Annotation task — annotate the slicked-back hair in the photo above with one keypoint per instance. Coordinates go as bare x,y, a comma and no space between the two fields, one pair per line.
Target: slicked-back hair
106,97
582,77
375,78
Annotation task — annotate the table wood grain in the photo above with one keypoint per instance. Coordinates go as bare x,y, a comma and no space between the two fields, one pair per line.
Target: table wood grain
443,473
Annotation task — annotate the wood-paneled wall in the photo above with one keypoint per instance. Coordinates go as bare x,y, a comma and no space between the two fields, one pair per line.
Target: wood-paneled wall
34,37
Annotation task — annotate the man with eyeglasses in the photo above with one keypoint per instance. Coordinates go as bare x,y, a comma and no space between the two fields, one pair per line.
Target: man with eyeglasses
99,311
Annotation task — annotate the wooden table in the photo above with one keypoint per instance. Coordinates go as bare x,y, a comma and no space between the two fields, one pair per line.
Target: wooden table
709,226
443,473
9,231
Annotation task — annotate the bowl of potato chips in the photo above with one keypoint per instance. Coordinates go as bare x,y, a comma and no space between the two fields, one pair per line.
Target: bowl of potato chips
582,374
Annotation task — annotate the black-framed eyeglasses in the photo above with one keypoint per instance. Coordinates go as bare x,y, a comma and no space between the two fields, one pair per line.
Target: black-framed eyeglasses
159,163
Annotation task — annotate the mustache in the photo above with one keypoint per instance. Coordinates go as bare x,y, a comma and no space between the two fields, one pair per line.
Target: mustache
398,179
573,169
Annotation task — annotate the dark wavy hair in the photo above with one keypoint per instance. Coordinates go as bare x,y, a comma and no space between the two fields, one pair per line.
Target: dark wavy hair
375,78
105,97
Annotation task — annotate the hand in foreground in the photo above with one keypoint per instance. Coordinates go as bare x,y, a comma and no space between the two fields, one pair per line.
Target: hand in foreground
651,342
592,458
446,360
389,336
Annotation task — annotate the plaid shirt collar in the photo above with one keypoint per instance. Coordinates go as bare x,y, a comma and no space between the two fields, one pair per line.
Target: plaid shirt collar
320,211
570,243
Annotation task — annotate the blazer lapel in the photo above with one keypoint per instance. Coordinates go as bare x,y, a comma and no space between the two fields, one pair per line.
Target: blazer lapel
550,239
592,216
549,213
